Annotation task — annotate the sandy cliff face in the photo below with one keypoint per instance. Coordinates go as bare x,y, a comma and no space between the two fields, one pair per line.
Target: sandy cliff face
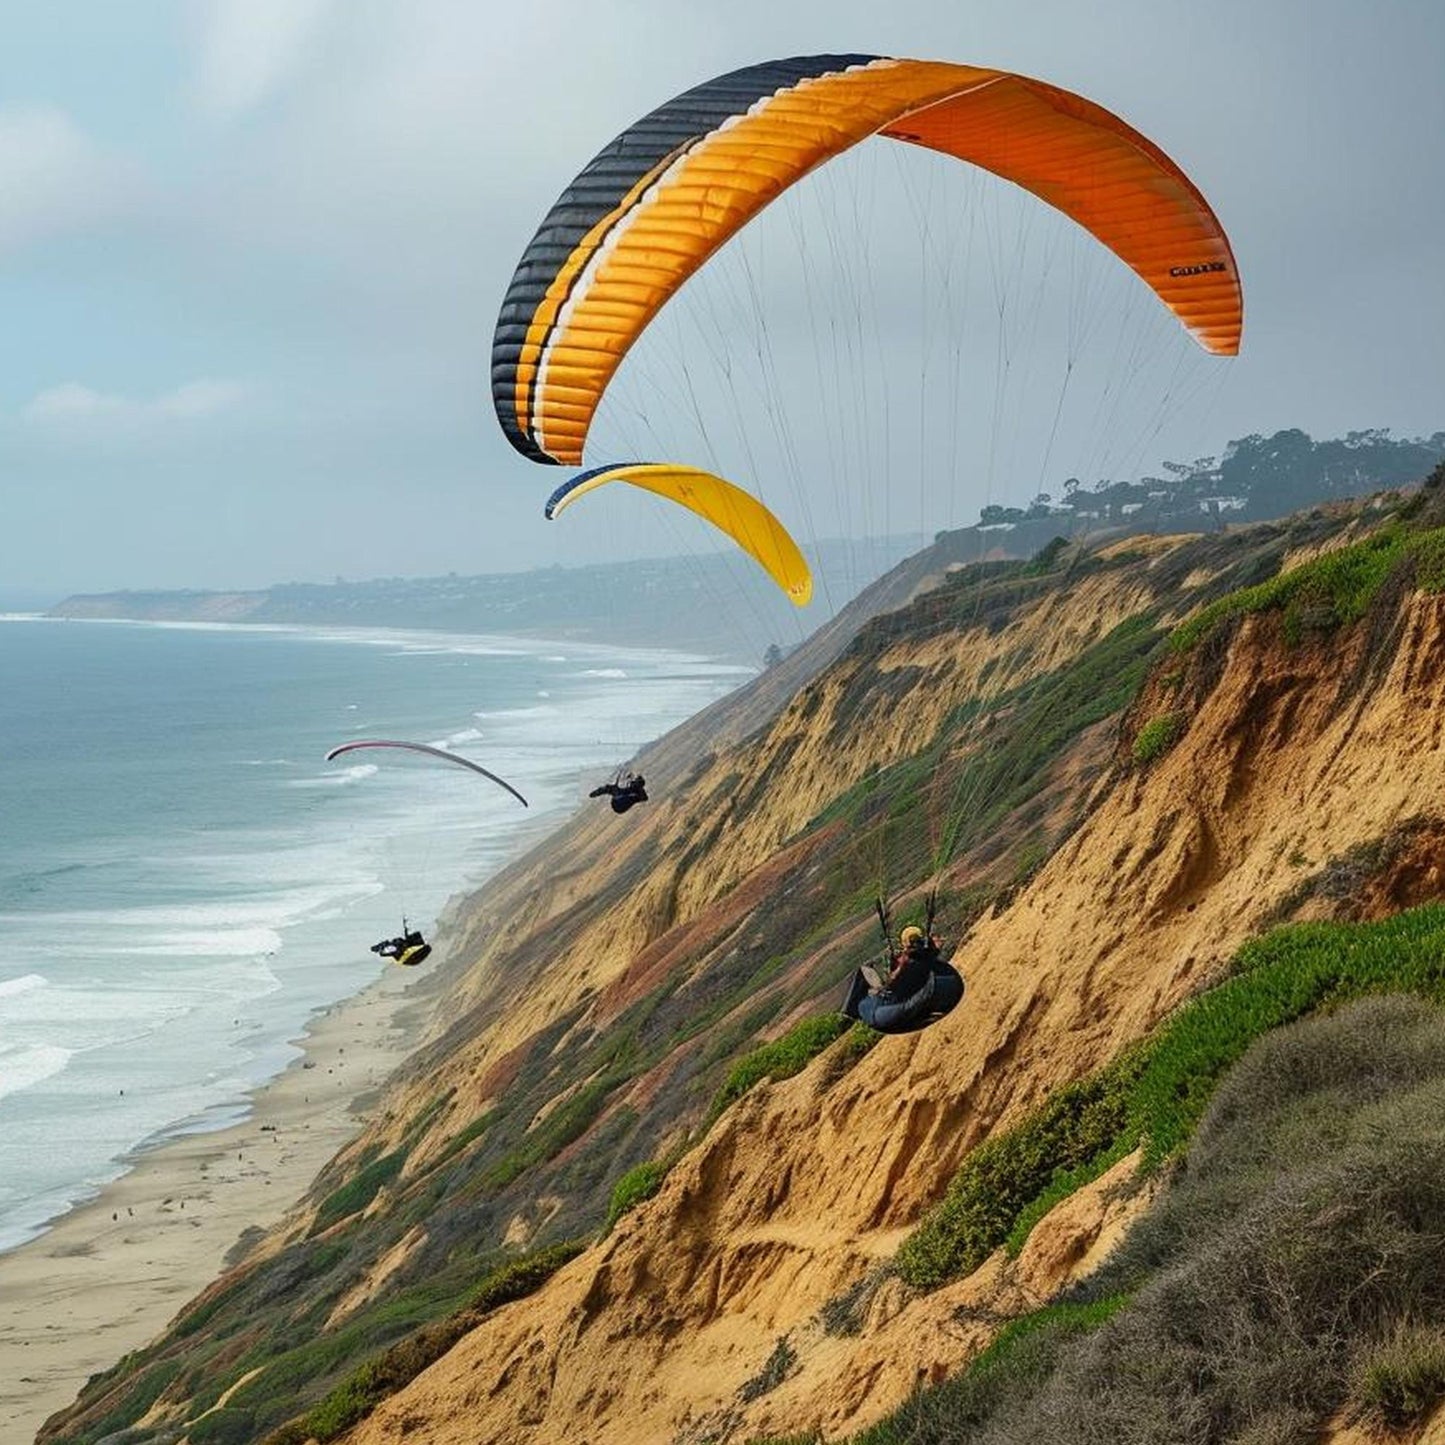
1291,757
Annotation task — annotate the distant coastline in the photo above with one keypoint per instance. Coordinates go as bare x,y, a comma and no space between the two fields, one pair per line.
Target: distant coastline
715,604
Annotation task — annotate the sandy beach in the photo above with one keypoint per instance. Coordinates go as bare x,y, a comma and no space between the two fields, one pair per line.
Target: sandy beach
107,1277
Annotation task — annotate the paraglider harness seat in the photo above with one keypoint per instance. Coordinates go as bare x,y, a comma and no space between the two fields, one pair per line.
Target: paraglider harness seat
409,949
922,986
623,791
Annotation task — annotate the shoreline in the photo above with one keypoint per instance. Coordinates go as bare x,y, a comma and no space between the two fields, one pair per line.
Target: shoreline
107,1276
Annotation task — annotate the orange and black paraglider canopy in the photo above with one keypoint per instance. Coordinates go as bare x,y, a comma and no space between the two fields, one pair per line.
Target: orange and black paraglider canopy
654,204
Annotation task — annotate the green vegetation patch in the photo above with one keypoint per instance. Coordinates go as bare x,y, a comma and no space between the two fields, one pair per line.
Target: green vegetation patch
1042,562
1330,591
944,804
297,1357
1048,714
358,1191
1400,1379
465,1136
223,1427
564,1124
1157,736
1005,1174
132,1405
520,1277
1155,1095
780,1059
640,1182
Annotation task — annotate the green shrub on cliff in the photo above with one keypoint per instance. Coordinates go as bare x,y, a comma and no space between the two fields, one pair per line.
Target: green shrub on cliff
1328,591
372,1382
1156,737
1400,1379
640,1182
780,1059
358,1191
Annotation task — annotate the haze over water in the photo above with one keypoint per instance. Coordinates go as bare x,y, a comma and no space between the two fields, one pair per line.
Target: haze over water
183,879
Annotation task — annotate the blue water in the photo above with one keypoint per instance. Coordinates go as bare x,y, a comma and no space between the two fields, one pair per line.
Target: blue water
184,880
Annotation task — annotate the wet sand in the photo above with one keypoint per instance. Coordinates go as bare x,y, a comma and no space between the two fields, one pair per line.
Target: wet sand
108,1276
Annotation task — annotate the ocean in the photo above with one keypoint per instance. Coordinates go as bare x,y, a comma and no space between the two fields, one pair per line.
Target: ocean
184,880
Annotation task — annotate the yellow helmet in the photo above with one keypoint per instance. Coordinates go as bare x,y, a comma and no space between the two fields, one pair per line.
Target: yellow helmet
912,934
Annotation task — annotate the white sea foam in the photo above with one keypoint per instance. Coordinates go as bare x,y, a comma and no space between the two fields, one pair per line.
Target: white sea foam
275,909
339,779
22,1068
228,943
603,672
517,714
12,987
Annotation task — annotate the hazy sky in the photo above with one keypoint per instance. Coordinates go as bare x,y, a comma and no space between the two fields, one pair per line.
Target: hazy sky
251,253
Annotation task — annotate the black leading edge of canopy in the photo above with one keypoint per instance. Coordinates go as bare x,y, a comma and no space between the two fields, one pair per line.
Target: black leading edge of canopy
607,177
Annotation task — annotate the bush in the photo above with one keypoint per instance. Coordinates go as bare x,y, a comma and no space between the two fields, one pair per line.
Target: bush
522,1276
223,1427
639,1183
1304,1225
780,1059
844,1314
1156,737
775,1370
1282,1273
1018,1362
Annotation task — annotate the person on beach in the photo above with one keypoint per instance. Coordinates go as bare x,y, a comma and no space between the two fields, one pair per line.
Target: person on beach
624,792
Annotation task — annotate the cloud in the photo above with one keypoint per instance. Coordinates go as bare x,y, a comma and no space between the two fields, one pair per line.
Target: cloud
72,402
248,49
54,178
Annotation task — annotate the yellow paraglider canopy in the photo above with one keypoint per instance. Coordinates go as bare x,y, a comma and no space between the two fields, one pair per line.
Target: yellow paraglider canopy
731,510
